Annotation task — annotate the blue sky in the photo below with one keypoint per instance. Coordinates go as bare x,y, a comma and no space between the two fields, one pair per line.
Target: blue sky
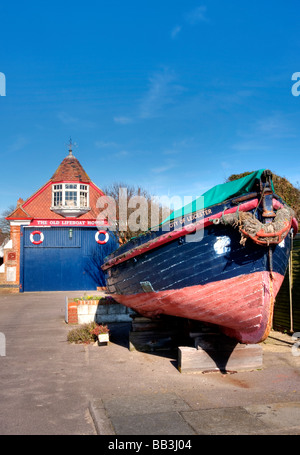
174,96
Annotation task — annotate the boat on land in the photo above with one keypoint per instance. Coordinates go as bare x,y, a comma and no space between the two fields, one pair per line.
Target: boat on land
222,264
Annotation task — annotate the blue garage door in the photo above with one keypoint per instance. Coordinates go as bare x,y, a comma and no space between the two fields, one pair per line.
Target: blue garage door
63,259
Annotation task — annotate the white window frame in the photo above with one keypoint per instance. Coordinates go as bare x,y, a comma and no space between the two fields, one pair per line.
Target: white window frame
77,188
86,190
64,188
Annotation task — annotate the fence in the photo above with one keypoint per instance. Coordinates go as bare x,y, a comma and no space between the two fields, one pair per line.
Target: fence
287,305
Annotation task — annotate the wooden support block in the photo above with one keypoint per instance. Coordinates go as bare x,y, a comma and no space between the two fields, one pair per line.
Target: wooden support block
155,334
218,353
140,323
146,325
150,341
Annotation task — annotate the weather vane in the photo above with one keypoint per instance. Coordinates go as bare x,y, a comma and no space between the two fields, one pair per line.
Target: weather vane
71,144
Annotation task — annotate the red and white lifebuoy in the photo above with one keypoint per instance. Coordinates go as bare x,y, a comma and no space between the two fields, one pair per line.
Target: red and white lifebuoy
36,242
106,237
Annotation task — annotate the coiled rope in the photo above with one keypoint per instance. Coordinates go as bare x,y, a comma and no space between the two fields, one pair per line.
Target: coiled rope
261,233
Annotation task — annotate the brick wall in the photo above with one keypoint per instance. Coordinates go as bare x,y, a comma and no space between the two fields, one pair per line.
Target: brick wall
10,275
101,311
71,314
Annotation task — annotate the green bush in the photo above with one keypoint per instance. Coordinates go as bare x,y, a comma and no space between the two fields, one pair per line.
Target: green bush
83,333
88,297
285,189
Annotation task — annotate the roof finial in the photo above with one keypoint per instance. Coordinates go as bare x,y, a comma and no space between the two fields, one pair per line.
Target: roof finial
70,147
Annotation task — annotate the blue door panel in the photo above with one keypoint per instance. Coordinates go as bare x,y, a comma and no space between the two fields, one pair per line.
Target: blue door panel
64,260
54,237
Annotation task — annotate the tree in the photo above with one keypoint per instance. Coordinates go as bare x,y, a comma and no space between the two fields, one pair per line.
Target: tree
4,224
135,209
288,192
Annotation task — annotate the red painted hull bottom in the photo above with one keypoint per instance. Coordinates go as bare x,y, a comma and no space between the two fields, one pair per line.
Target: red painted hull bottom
242,306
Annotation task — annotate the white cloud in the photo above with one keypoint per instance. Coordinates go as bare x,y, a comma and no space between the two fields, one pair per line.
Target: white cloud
193,17
18,144
121,154
226,165
170,152
123,120
164,167
67,119
70,120
175,31
262,134
105,144
196,15
161,92
251,145
275,125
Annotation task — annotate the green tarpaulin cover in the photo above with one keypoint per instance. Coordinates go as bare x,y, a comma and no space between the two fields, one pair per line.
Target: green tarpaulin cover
218,194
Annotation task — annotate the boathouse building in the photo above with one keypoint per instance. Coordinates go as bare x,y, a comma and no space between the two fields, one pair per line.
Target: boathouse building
56,242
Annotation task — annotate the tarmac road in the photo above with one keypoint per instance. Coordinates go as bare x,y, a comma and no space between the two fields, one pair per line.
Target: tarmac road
51,387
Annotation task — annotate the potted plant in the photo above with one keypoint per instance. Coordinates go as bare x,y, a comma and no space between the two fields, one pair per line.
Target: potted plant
102,332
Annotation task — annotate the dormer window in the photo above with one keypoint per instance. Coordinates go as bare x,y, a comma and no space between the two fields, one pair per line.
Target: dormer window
70,199
83,195
57,196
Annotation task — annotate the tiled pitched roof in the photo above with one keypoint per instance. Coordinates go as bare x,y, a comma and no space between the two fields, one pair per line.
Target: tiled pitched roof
70,170
38,205
19,214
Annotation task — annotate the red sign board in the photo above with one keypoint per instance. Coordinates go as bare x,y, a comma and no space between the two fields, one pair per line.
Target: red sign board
68,222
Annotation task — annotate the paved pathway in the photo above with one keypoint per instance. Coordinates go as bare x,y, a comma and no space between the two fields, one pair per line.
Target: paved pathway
51,387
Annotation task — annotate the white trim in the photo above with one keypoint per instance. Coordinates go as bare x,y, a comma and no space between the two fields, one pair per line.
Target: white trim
71,212
20,223
8,245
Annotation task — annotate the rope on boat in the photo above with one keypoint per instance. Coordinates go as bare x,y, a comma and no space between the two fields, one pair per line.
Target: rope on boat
264,234
270,261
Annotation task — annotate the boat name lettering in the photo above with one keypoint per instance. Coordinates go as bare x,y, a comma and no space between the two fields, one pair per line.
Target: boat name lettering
194,216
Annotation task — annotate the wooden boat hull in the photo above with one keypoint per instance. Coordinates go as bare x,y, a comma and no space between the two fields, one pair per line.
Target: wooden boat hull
241,306
214,280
